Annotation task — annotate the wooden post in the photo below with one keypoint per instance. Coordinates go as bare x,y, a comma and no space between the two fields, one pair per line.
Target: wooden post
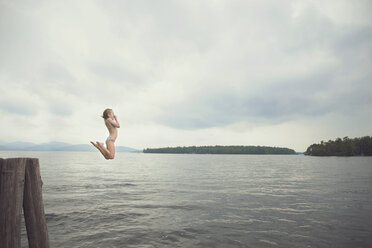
33,207
20,183
12,176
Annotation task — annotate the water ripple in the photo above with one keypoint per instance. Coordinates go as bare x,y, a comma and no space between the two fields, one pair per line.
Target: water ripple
152,200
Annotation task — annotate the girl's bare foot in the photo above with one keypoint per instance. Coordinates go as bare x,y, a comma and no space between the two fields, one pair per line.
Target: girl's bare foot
100,144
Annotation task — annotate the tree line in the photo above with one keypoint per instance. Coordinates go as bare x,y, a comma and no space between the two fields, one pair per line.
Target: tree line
221,150
342,147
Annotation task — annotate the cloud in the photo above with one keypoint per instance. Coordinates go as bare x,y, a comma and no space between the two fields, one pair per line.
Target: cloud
17,100
57,74
116,73
305,71
17,106
192,69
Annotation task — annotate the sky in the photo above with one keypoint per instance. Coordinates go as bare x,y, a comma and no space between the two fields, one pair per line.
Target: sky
181,73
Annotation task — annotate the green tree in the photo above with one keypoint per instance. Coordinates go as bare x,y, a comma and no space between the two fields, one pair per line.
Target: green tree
342,147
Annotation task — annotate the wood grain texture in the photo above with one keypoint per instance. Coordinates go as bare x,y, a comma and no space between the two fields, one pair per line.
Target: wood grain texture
12,176
33,206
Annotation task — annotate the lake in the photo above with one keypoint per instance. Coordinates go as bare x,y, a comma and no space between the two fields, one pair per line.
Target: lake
177,200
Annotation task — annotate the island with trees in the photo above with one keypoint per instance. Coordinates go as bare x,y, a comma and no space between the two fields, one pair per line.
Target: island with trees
342,147
221,150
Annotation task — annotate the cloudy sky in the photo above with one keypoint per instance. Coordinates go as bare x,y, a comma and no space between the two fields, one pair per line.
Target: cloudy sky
180,72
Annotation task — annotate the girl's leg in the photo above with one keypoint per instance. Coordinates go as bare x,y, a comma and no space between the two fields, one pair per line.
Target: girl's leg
102,149
111,148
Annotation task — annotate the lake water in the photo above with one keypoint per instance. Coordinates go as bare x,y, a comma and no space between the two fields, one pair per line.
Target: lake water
171,200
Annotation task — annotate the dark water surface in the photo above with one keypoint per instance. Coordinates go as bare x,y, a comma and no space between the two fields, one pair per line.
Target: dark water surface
163,200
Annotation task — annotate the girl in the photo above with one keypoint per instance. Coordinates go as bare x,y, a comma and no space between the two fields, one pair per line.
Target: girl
112,124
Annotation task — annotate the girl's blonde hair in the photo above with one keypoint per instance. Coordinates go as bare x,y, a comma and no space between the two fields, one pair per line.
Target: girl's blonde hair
106,113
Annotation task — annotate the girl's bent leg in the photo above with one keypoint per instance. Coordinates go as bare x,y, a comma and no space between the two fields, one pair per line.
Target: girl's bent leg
111,148
102,149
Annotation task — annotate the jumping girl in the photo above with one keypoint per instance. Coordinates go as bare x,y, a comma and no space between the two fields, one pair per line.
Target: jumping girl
112,125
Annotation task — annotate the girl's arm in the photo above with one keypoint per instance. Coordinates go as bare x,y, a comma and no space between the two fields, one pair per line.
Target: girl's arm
114,122
117,122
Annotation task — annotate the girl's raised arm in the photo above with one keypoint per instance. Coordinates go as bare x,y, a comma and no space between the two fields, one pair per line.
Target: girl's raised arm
114,122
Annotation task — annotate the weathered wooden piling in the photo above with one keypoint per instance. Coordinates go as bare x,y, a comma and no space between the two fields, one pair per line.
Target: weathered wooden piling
33,207
12,176
20,184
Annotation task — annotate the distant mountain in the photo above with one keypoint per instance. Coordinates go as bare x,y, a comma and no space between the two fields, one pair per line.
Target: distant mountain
16,145
56,146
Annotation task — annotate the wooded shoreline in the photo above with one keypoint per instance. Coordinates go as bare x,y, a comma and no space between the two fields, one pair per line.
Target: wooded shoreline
342,147
221,150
